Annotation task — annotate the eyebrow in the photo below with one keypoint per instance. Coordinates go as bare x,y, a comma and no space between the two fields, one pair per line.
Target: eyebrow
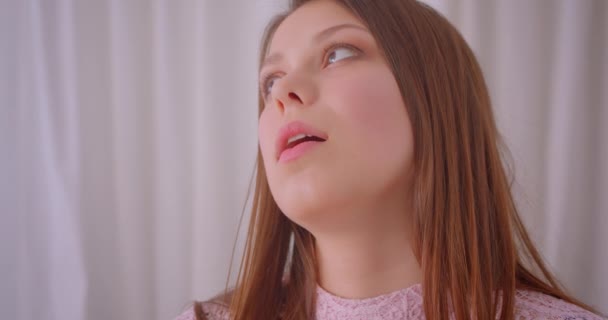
276,57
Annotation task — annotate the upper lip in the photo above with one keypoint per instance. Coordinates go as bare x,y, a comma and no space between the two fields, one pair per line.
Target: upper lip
294,128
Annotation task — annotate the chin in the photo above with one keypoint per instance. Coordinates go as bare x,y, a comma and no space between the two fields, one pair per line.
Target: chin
302,211
316,211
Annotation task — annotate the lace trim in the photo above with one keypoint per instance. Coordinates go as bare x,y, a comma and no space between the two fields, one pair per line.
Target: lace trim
401,304
211,310
407,304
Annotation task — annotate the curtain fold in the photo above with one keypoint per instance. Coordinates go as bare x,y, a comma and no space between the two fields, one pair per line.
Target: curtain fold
128,134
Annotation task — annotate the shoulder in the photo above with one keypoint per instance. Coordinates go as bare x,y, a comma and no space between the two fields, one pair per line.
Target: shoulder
207,310
535,305
216,308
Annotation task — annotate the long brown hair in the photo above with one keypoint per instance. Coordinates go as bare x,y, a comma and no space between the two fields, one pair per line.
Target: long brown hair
468,236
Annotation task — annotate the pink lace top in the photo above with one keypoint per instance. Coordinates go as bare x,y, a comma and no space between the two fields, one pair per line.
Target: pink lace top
407,304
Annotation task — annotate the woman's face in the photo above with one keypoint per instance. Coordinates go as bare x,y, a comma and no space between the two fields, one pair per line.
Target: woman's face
328,73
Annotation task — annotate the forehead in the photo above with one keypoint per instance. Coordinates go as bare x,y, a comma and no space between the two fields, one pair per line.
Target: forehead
300,27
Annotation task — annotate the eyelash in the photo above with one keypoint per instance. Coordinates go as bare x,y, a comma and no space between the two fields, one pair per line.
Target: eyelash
331,46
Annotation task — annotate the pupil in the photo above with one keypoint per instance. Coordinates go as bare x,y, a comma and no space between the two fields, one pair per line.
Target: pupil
332,57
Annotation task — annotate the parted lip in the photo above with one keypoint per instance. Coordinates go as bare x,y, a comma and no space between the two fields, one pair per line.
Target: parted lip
294,128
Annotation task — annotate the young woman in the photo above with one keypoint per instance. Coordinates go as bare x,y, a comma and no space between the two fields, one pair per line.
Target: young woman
380,190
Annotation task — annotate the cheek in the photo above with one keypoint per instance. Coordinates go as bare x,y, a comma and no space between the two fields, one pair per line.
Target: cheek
374,113
265,136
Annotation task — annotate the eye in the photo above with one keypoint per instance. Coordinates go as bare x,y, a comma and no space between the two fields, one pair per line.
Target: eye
340,52
337,52
266,84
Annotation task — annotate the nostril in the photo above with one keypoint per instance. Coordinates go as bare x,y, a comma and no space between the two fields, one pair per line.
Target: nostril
295,97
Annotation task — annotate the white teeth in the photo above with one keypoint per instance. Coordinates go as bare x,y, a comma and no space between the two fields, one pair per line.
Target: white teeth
297,137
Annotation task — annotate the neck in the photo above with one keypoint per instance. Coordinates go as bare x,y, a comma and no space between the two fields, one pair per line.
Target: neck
374,260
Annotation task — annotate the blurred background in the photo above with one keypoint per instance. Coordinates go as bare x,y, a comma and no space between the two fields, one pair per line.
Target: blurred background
128,135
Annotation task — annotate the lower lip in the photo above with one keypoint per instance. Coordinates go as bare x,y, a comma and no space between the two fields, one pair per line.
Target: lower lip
297,151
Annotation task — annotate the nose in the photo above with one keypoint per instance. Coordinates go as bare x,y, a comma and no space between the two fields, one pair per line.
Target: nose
293,91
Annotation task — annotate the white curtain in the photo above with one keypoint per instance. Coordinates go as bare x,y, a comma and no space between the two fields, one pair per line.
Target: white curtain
128,140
